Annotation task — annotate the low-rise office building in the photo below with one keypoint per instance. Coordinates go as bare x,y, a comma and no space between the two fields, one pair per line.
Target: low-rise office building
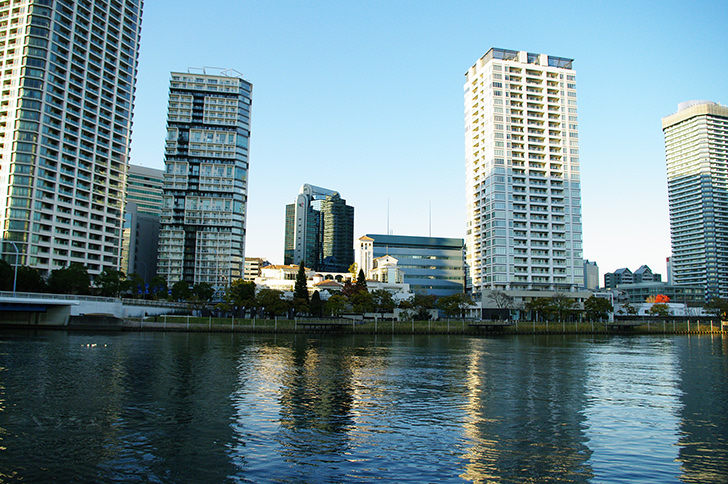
253,267
431,265
283,278
384,275
692,295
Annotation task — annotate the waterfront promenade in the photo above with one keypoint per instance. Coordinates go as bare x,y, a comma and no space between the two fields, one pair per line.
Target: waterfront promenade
52,311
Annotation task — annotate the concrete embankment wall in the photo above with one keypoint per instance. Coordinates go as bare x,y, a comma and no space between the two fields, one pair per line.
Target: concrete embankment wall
43,310
121,309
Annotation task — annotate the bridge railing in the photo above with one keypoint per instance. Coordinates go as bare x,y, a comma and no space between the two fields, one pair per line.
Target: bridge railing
98,299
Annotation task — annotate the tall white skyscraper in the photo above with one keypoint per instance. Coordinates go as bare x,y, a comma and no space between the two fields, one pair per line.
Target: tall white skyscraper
696,149
66,98
204,208
523,191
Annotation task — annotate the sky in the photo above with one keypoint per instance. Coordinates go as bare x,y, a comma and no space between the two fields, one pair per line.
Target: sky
366,98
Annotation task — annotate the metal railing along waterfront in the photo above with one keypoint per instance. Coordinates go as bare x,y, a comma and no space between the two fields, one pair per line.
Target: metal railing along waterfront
77,297
443,326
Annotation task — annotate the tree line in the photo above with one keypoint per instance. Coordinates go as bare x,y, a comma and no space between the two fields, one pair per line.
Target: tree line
241,299
75,279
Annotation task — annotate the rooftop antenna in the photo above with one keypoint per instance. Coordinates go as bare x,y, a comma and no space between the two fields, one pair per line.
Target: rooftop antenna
387,215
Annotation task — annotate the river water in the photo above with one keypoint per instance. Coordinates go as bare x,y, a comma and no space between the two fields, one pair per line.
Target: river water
234,408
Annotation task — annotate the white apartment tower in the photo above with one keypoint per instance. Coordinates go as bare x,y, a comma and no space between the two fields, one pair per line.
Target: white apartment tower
202,237
523,193
696,149
67,92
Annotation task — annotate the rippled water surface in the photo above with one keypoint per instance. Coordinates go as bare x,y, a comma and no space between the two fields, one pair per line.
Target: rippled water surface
189,408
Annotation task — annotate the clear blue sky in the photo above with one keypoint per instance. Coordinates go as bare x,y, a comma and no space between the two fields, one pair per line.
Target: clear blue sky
367,98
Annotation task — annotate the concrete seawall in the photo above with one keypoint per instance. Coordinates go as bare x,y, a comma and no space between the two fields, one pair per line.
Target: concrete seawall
307,326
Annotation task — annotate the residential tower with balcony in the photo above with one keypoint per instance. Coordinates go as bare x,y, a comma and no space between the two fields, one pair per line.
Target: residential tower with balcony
696,150
204,207
66,99
523,189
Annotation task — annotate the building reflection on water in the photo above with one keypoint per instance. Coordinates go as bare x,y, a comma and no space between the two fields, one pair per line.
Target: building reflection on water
302,400
632,408
97,408
170,406
151,407
703,440
525,414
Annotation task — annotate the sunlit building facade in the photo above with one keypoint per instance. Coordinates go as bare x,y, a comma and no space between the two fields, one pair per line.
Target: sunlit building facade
696,150
591,275
523,192
66,99
430,265
253,267
202,238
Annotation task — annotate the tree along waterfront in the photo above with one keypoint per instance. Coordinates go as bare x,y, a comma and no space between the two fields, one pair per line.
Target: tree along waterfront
444,326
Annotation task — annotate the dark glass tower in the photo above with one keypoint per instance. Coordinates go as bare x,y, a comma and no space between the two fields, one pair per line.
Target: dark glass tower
338,234
319,230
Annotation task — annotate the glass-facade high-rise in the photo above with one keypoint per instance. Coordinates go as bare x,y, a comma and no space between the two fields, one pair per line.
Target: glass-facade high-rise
337,247
141,221
66,99
144,186
696,149
202,237
523,193
319,230
431,265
